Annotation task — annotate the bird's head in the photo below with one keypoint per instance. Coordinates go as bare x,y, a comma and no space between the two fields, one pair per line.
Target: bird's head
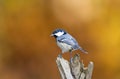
58,32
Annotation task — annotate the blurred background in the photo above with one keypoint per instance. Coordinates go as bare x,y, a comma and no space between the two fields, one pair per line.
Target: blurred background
28,52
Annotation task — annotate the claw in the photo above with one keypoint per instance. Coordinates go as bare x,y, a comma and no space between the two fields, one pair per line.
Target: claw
71,57
60,55
70,60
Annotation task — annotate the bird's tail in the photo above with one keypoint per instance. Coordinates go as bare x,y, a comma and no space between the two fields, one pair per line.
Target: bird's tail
82,50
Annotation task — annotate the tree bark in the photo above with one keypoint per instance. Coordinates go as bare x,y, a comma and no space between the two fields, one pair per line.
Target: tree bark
74,69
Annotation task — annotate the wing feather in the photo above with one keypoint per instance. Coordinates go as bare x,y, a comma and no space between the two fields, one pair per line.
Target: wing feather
70,41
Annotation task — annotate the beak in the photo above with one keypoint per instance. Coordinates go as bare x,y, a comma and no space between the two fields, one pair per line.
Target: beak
52,35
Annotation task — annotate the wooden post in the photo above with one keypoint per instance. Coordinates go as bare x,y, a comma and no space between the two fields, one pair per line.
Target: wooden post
74,69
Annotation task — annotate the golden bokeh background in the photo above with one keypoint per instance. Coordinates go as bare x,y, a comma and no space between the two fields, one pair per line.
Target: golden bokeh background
28,52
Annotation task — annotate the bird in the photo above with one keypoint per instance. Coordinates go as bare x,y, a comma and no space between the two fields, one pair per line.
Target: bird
66,42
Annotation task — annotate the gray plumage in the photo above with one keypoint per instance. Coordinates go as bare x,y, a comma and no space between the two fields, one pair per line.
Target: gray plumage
66,42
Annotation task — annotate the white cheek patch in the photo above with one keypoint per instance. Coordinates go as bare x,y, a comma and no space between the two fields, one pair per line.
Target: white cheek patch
59,33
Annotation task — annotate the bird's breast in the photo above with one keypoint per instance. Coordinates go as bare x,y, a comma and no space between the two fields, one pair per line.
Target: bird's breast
64,47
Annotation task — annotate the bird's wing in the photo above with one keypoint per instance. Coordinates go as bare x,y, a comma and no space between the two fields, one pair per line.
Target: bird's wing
70,41
67,41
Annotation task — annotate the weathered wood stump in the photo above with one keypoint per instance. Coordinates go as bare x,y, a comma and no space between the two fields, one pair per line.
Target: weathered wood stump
74,69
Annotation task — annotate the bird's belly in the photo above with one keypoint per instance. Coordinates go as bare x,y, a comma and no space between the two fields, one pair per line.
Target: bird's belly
64,47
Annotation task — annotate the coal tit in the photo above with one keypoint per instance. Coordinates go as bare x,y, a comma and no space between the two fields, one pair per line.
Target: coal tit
65,41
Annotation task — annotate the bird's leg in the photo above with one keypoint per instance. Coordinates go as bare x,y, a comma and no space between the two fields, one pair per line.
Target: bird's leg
70,60
60,55
70,56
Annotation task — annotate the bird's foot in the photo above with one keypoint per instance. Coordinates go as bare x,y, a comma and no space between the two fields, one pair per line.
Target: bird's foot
60,55
71,60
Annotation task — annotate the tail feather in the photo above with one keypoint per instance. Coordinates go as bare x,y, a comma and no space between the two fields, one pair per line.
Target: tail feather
82,50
